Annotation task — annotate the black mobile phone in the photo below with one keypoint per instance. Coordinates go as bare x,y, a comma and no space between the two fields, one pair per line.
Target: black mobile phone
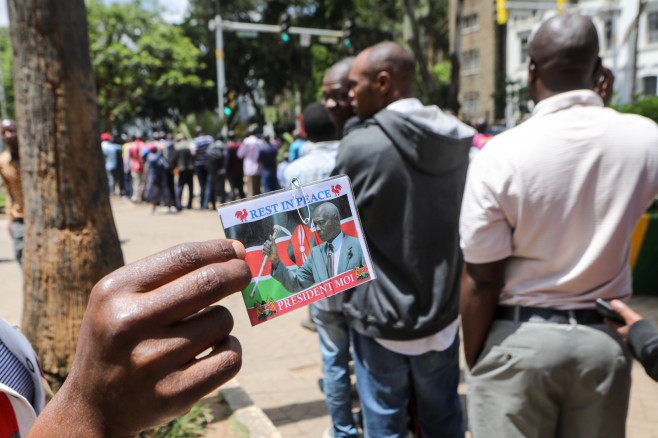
605,309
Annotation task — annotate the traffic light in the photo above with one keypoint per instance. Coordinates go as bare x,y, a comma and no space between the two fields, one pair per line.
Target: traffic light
229,102
560,6
284,23
347,33
501,11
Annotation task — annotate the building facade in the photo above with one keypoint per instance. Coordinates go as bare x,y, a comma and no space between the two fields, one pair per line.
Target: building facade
477,39
628,36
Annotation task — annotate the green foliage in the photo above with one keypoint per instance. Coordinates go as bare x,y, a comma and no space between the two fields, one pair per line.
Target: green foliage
209,121
143,66
266,61
238,429
442,70
188,426
647,107
3,199
7,65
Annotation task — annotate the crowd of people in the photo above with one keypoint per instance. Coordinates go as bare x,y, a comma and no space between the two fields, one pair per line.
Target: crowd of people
514,245
158,169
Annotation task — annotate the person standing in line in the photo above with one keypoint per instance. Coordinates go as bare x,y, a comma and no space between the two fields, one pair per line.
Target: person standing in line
327,315
136,152
545,230
125,154
248,152
335,95
114,172
639,335
216,175
267,159
234,168
185,168
407,163
297,143
199,150
157,191
169,154
10,171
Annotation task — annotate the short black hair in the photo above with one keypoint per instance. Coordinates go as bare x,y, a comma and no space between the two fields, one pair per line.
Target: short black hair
318,124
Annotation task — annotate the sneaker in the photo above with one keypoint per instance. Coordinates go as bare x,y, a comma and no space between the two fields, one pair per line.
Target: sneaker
329,433
309,324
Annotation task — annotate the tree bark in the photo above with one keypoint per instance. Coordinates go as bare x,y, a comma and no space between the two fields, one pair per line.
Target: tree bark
71,241
428,81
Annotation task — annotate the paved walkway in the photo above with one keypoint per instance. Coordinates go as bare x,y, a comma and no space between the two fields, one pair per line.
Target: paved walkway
281,363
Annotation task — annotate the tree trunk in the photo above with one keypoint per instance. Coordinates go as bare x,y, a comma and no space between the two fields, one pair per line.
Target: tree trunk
455,60
71,241
635,26
430,86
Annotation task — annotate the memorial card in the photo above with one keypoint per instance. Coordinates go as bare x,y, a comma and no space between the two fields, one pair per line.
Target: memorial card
303,245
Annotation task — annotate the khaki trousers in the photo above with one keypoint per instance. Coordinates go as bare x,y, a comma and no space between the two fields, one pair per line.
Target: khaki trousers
253,185
539,379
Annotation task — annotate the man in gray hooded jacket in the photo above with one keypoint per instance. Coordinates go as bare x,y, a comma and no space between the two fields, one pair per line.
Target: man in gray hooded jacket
407,163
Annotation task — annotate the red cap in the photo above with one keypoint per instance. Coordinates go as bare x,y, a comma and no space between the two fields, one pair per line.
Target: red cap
105,136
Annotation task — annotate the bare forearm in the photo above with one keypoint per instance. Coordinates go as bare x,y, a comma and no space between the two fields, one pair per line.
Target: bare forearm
65,416
478,301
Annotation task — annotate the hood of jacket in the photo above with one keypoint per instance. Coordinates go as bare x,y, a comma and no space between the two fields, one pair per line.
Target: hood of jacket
427,137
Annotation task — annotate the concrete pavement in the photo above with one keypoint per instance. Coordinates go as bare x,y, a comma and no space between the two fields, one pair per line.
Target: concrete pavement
281,360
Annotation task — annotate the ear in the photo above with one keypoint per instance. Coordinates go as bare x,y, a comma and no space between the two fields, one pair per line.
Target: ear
532,72
383,82
597,74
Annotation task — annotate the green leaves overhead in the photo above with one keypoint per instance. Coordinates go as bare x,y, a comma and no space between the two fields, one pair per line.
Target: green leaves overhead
143,66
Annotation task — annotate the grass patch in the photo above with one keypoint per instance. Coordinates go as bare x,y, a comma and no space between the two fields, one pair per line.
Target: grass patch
239,429
191,425
3,199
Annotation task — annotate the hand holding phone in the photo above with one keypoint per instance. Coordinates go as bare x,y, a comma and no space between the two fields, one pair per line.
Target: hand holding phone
605,309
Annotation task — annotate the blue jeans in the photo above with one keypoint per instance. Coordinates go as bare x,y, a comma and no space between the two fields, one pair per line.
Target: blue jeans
335,348
385,381
209,194
202,176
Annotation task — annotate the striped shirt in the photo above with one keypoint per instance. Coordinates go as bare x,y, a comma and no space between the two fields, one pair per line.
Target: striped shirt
15,375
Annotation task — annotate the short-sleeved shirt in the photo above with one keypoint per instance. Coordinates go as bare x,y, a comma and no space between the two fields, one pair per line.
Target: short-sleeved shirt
559,197
199,149
248,152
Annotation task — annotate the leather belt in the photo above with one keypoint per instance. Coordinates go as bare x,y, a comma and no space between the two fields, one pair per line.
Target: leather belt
545,314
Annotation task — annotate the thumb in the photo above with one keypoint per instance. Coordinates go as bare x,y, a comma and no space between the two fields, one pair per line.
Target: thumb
629,315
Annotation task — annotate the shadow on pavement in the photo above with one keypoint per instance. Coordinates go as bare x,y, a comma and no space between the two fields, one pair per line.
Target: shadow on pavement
296,412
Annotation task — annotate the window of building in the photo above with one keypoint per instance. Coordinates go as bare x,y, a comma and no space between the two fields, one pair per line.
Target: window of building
524,38
470,23
471,60
649,85
652,19
608,35
471,103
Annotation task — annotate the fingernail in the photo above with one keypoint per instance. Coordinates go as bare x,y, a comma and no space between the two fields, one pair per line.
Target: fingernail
239,249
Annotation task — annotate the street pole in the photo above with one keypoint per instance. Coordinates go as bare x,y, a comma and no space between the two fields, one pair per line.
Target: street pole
219,57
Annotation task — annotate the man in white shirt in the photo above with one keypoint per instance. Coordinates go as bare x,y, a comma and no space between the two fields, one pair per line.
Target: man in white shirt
548,211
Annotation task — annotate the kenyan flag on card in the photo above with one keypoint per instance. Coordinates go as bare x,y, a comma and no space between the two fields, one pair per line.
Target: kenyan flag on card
303,245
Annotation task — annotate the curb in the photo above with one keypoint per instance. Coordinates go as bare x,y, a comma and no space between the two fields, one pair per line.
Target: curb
250,415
